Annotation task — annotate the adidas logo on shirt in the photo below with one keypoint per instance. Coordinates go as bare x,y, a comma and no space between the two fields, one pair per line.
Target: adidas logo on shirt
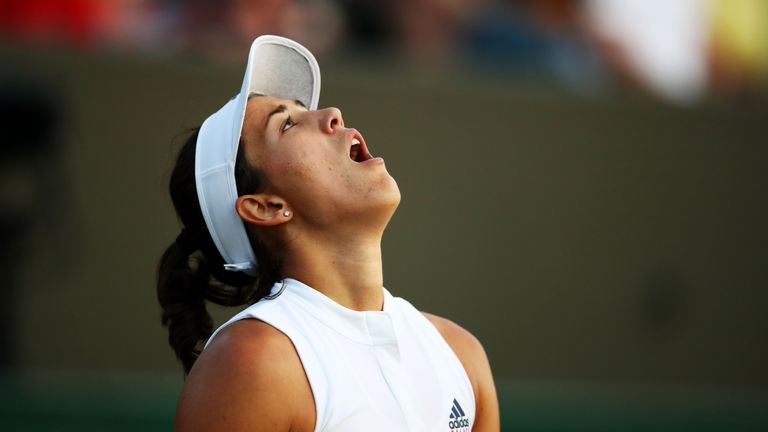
458,421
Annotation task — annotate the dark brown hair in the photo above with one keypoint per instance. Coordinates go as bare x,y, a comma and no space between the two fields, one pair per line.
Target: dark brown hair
191,271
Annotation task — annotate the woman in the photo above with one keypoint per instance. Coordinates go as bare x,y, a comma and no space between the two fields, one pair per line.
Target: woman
284,208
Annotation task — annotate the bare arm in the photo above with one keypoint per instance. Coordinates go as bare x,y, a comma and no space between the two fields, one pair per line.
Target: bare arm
249,378
470,352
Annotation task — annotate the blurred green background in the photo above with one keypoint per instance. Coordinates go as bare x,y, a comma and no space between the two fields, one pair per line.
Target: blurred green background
610,251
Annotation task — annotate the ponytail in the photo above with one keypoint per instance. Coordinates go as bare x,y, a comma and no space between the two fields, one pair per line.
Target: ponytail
191,270
180,293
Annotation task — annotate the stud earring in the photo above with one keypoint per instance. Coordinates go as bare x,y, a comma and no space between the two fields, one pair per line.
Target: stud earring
286,213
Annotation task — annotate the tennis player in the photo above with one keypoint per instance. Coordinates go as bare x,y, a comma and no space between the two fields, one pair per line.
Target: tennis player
284,208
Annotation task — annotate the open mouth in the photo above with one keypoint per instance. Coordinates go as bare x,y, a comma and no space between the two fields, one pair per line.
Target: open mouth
358,152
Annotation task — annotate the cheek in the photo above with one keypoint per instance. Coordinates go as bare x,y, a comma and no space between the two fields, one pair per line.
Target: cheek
292,163
303,172
306,166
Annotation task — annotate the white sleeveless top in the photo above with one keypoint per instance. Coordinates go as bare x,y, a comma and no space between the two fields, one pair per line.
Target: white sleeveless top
376,371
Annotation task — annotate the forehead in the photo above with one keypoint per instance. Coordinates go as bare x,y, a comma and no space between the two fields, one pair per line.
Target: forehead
260,108
258,112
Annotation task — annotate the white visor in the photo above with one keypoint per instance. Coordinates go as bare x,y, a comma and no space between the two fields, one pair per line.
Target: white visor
277,67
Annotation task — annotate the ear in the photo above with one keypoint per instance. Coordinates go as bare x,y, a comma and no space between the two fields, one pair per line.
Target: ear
263,209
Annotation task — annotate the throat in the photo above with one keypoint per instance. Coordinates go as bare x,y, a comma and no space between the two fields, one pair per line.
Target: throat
351,275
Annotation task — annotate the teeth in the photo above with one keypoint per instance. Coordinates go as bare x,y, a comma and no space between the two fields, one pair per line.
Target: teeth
355,141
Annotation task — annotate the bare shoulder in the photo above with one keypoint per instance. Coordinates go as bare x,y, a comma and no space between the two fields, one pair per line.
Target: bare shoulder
466,346
249,378
472,356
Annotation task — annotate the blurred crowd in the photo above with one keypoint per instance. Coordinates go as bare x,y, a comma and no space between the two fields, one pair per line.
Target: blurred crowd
680,50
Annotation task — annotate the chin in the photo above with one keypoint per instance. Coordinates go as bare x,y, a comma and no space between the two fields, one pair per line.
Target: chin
382,200
393,191
392,199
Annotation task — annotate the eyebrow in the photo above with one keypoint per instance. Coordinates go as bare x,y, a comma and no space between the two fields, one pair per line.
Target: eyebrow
277,110
281,108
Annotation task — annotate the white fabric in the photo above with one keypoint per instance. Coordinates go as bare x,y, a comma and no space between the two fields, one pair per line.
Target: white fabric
378,371
276,67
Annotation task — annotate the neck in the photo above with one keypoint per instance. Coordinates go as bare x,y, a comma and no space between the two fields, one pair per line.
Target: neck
345,268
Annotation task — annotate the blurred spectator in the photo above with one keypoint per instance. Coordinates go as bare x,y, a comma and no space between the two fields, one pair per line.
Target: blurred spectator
677,49
430,30
215,28
541,37
739,45
369,26
76,21
225,28
544,38
660,46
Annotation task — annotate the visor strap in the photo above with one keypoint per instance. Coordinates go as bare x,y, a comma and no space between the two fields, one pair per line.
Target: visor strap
239,266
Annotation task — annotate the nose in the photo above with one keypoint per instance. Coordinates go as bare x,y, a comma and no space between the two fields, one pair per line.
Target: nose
330,119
